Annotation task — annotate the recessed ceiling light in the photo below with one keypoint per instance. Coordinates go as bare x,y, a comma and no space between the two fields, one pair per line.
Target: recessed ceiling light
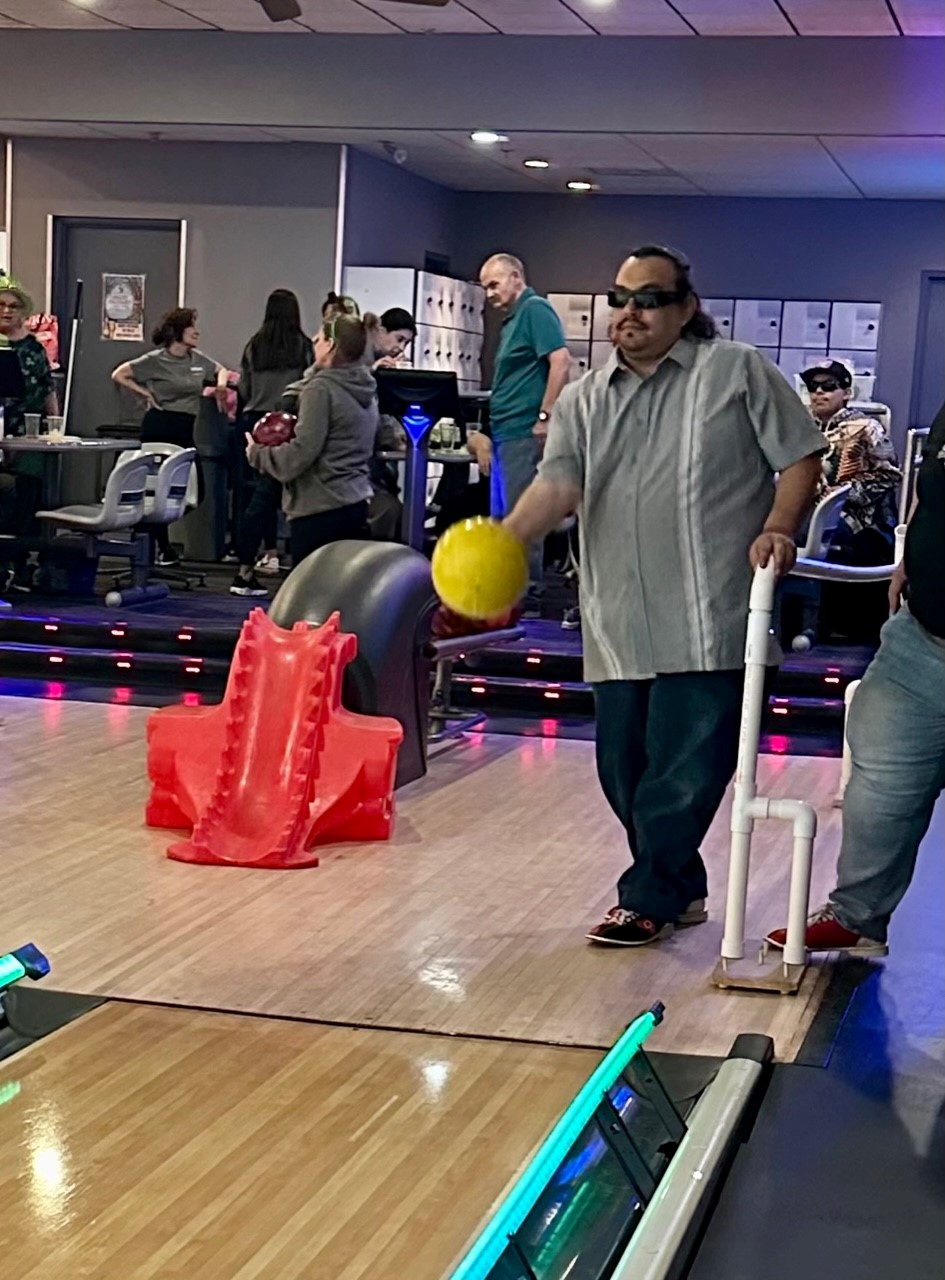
580,185
487,137
536,164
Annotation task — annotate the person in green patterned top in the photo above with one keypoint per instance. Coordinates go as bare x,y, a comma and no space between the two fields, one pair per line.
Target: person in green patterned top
21,484
39,397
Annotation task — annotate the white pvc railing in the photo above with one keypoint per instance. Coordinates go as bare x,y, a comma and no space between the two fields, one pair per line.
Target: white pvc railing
748,807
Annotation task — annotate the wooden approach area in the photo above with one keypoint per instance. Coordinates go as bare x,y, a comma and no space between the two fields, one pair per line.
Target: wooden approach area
151,1143
425,1009
469,922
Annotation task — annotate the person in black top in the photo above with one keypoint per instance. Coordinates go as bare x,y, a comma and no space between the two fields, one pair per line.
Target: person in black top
896,732
278,353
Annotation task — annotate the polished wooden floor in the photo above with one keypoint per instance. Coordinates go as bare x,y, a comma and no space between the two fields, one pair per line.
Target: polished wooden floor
155,1143
470,921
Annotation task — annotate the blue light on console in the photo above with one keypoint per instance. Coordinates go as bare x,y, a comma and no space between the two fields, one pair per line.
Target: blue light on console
416,423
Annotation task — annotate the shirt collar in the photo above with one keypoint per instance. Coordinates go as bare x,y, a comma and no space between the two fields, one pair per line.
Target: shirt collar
682,353
527,292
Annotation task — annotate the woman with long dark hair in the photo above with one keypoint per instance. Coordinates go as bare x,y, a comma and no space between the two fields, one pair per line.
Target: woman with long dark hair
171,380
278,353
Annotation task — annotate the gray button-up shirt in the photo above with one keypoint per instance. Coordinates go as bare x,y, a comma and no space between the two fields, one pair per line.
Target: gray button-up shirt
677,474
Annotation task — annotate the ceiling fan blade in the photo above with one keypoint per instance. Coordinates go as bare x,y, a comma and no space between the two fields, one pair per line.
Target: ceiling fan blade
281,10
435,4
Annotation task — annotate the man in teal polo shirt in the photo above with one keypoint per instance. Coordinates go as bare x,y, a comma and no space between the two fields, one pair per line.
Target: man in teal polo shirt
532,365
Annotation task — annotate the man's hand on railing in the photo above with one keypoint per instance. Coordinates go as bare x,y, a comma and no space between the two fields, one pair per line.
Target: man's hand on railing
778,548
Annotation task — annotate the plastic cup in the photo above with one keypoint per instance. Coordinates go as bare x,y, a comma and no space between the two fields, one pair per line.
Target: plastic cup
31,422
54,427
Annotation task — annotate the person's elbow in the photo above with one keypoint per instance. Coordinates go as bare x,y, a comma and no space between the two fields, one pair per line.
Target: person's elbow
560,361
808,471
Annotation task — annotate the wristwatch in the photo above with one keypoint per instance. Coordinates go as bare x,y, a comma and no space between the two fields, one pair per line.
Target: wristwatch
543,416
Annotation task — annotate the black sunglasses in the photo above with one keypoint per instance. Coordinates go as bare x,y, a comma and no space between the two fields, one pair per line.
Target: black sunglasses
644,299
828,385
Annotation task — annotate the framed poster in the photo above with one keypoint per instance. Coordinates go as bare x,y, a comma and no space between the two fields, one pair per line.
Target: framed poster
122,307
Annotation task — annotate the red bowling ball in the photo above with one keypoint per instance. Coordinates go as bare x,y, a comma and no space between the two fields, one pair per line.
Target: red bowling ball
274,428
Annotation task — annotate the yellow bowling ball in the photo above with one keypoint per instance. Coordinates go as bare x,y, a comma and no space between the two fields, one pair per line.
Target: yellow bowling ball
480,570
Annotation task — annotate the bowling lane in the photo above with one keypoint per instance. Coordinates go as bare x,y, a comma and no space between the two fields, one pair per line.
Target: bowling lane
145,1143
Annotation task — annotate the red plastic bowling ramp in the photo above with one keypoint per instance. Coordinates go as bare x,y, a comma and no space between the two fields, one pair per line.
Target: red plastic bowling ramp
279,766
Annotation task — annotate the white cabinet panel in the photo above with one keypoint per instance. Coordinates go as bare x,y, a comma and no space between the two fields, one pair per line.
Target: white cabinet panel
805,324
863,362
580,353
424,347
758,322
574,311
600,354
854,326
722,311
600,324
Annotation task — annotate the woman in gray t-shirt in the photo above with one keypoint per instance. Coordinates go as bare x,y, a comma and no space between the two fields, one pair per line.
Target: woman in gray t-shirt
171,380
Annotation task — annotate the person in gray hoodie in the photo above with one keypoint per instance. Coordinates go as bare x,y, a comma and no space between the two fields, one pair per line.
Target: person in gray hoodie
325,468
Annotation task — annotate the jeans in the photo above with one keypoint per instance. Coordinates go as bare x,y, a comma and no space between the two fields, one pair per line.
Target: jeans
666,751
308,533
514,467
896,731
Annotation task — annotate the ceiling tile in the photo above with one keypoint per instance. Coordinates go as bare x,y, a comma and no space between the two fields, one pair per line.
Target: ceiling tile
735,17
890,168
920,17
725,165
53,14
414,17
345,17
841,17
187,132
530,17
632,17
574,150
46,129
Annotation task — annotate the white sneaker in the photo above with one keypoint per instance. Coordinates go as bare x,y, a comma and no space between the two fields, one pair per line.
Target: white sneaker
268,566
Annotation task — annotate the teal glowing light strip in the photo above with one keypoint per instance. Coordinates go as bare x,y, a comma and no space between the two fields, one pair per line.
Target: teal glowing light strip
520,1201
10,970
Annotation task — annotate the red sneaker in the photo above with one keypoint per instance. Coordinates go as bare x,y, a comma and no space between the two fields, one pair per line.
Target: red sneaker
826,933
621,928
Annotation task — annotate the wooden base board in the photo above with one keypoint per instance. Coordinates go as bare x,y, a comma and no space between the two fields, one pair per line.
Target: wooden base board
145,1144
470,921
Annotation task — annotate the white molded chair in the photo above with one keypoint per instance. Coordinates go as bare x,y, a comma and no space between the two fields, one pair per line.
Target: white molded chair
824,519
122,507
172,490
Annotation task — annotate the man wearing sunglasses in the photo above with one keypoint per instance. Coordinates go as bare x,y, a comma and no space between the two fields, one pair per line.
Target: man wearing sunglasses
670,453
861,454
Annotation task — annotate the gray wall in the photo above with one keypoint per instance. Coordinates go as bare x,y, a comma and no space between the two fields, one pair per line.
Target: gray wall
808,249
392,217
260,216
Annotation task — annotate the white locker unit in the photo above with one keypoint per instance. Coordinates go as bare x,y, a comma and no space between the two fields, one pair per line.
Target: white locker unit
805,326
580,353
601,353
574,312
600,324
722,311
448,314
758,322
854,326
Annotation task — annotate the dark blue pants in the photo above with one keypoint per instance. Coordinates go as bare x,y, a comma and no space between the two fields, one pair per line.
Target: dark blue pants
666,751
